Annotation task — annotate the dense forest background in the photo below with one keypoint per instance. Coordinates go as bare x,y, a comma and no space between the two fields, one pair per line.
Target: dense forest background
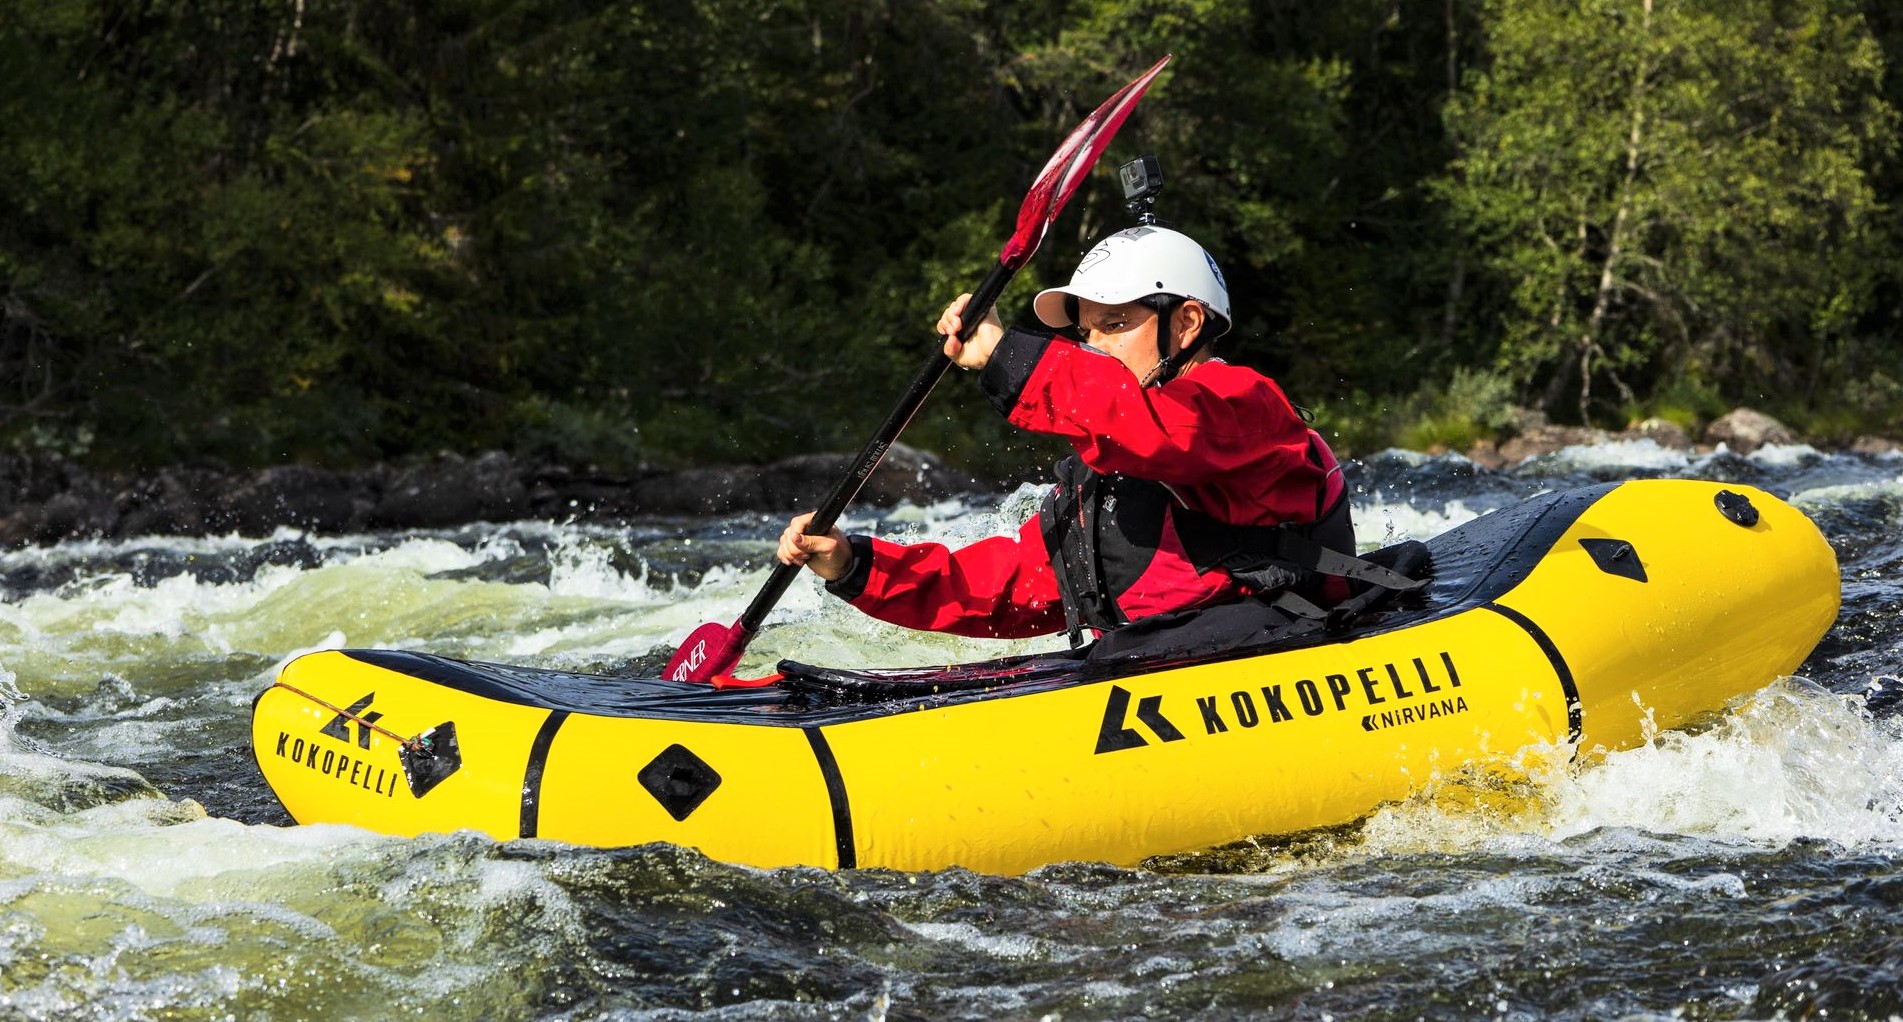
669,232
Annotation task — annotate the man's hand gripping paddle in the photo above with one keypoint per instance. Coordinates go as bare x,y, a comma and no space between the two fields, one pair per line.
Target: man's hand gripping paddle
712,650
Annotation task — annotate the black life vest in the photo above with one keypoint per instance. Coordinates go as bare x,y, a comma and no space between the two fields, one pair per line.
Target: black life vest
1114,537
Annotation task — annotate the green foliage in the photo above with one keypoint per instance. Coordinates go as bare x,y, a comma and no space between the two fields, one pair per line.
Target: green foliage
1870,405
581,434
1689,400
1474,405
1451,415
679,231
1671,187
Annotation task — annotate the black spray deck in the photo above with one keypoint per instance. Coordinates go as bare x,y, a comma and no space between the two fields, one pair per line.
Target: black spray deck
1472,565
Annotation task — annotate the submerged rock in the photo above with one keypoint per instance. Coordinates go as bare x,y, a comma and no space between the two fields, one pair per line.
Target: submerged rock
1746,429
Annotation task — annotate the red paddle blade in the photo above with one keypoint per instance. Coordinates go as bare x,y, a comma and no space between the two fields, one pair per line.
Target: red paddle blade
711,649
1070,165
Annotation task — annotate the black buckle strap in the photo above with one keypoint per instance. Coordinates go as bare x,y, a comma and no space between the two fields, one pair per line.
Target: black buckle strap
1409,558
1334,562
1286,600
1293,548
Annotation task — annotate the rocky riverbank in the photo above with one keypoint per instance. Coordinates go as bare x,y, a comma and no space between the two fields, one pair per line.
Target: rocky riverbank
1741,431
51,500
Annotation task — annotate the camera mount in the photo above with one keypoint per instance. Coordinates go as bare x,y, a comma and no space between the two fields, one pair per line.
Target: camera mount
1142,179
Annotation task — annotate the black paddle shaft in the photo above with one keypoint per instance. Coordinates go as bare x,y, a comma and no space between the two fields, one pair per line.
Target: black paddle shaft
874,451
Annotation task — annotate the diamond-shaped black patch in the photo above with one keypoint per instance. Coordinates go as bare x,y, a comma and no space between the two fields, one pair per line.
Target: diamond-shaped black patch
679,780
1615,557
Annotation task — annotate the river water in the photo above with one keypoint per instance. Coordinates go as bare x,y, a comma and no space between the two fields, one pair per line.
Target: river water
1749,870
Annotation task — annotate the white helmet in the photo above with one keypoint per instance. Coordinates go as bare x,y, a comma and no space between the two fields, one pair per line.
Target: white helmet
1137,263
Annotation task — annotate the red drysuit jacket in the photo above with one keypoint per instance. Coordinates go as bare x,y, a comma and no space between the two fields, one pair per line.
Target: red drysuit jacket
1223,438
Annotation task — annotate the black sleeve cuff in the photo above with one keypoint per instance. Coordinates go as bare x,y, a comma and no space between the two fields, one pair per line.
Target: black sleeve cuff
1012,363
853,582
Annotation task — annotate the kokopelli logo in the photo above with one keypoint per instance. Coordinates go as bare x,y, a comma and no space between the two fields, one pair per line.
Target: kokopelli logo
1112,736
339,726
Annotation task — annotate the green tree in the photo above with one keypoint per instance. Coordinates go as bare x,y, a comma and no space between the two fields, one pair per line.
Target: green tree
1296,140
1671,188
225,231
696,230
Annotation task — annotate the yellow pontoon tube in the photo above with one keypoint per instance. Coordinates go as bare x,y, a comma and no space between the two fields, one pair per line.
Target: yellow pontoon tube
1574,620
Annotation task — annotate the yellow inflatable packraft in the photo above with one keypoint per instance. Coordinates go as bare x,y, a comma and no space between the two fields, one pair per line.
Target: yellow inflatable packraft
1575,620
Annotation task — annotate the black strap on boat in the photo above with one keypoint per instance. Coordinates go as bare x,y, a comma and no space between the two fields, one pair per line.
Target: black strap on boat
1266,559
531,819
1575,724
1287,600
844,845
1409,561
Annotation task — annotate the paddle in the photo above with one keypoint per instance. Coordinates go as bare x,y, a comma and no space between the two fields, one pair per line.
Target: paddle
714,649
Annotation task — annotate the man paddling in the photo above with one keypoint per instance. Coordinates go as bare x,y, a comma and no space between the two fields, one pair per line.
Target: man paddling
1194,482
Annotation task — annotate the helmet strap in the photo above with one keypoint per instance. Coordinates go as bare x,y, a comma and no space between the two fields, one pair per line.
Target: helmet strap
1167,364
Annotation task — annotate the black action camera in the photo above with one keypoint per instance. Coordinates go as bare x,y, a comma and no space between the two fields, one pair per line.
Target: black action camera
1142,178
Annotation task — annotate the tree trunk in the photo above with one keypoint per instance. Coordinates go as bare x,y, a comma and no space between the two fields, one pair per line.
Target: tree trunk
1450,317
1563,375
1615,234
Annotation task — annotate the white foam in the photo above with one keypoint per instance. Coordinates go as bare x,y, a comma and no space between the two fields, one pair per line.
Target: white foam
1420,459
1380,523
1792,762
1643,454
1784,455
11,699
1016,946
143,842
1820,497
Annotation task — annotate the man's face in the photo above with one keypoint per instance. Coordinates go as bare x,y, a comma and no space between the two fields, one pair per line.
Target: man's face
1127,332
